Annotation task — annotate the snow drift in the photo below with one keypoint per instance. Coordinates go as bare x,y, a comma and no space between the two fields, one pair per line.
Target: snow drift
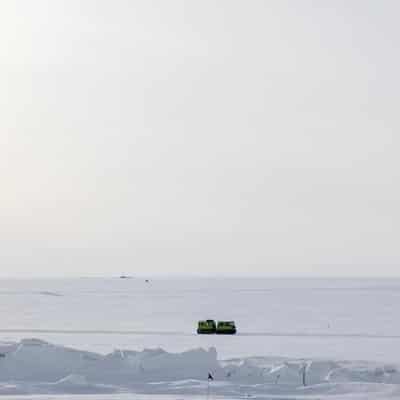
32,366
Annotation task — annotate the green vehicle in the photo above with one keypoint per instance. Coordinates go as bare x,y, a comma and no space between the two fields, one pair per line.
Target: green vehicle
206,327
226,328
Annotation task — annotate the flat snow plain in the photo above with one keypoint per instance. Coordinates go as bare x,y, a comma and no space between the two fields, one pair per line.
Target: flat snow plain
344,332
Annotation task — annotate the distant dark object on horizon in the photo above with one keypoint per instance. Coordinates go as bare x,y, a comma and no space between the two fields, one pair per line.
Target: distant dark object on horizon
147,281
125,277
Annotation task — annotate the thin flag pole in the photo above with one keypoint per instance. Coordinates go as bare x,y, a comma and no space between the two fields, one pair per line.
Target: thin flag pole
209,379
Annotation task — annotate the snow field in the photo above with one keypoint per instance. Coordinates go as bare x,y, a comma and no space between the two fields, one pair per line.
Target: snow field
33,366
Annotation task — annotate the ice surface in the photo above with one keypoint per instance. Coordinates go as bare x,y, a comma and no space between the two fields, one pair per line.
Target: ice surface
301,321
33,366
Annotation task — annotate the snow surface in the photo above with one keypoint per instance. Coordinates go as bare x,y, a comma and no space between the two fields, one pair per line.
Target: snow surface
33,366
288,324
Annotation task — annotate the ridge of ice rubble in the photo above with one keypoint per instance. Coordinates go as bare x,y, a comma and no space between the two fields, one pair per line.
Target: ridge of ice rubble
33,366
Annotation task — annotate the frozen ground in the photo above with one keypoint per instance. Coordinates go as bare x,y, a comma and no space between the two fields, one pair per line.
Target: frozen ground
287,324
32,366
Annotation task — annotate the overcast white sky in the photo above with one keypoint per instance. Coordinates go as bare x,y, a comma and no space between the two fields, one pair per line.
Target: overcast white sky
199,137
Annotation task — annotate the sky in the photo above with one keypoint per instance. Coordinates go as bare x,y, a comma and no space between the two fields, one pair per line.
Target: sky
204,138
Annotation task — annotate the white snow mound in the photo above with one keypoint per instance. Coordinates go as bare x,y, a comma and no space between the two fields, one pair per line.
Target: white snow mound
33,366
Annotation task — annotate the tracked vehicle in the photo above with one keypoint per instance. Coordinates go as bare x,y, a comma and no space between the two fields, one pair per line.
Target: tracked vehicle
209,327
226,328
206,327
